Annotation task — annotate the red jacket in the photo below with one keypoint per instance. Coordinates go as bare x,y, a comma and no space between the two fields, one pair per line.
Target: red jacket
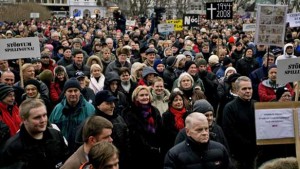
267,93
55,92
12,120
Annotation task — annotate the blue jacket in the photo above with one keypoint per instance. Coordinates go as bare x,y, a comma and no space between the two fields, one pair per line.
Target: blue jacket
68,118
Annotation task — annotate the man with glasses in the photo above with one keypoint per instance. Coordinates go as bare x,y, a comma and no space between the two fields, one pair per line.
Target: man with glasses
288,52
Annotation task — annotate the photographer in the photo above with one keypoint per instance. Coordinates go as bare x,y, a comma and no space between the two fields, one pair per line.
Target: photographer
120,20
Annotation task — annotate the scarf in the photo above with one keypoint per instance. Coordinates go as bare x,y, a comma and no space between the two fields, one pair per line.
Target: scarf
179,122
12,120
147,115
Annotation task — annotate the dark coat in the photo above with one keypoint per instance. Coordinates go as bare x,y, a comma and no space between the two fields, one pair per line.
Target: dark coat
144,145
72,69
246,65
192,155
239,128
169,77
49,153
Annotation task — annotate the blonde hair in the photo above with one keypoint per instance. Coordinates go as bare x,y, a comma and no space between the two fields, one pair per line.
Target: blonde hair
281,163
29,104
95,66
137,91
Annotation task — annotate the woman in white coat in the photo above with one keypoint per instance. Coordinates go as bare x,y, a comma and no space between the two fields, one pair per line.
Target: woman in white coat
96,79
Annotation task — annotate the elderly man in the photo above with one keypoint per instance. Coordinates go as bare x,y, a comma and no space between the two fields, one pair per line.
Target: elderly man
71,111
121,61
197,151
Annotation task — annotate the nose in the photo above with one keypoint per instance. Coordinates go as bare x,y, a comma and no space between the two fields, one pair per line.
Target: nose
110,140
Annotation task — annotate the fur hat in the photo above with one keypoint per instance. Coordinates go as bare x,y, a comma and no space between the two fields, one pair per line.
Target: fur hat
76,40
202,106
4,90
124,51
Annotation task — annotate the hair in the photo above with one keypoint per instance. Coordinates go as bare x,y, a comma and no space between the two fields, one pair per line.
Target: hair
29,104
183,75
124,70
94,66
25,66
173,95
191,118
105,49
158,79
76,52
281,163
101,153
138,89
93,126
240,79
268,54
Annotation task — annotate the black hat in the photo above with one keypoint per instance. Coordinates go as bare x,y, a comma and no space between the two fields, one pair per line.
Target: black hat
188,64
33,82
232,78
171,60
226,61
150,50
71,83
104,96
79,74
202,106
4,90
280,91
272,66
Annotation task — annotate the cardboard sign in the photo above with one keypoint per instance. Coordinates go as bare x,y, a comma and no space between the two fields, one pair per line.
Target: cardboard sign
293,19
16,48
270,25
191,20
249,27
34,15
288,70
177,24
166,27
130,22
219,10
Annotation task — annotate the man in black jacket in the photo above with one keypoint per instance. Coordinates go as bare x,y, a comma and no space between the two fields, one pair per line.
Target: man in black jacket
197,151
239,125
35,145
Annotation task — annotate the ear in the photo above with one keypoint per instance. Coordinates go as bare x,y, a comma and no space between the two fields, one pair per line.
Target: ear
187,130
92,139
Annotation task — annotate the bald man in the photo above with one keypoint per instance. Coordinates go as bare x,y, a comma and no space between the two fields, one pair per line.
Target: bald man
197,151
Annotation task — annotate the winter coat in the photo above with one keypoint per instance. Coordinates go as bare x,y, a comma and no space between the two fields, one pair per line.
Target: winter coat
50,66
48,153
10,116
76,159
246,65
239,128
257,76
160,101
192,155
72,70
285,55
55,92
115,66
69,118
267,91
169,77
64,62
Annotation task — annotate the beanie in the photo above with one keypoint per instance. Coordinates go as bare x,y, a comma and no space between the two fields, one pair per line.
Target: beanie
71,83
4,90
201,62
231,39
280,91
46,76
202,106
213,59
171,60
179,58
188,64
226,61
272,66
33,82
232,78
228,69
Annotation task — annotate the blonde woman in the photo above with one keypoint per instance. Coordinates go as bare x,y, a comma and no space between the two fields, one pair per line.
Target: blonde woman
97,78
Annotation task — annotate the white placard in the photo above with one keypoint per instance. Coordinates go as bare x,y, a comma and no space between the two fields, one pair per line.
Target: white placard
34,15
16,48
293,19
249,27
274,123
93,16
130,22
166,27
288,70
270,24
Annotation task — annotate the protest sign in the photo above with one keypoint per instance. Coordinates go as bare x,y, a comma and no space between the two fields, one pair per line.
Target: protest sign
293,19
177,24
166,27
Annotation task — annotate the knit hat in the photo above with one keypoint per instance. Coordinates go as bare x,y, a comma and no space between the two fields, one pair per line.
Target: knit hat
201,62
203,30
231,39
188,64
8,32
124,51
171,60
202,106
147,71
49,46
104,96
33,82
213,59
228,69
4,90
272,66
46,76
179,58
71,83
232,78
280,91
199,55
156,63
226,61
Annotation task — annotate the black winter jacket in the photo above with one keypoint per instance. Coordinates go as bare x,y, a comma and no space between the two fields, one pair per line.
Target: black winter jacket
72,70
192,155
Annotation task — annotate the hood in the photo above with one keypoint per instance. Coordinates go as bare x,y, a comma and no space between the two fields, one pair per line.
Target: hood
167,49
147,71
285,46
111,76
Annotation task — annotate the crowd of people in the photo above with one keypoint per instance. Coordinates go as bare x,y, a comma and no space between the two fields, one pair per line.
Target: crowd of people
99,97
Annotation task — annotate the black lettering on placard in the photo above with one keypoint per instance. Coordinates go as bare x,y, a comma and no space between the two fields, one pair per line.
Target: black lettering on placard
191,20
219,10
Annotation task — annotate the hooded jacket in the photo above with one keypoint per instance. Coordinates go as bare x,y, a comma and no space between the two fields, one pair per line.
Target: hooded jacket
285,55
